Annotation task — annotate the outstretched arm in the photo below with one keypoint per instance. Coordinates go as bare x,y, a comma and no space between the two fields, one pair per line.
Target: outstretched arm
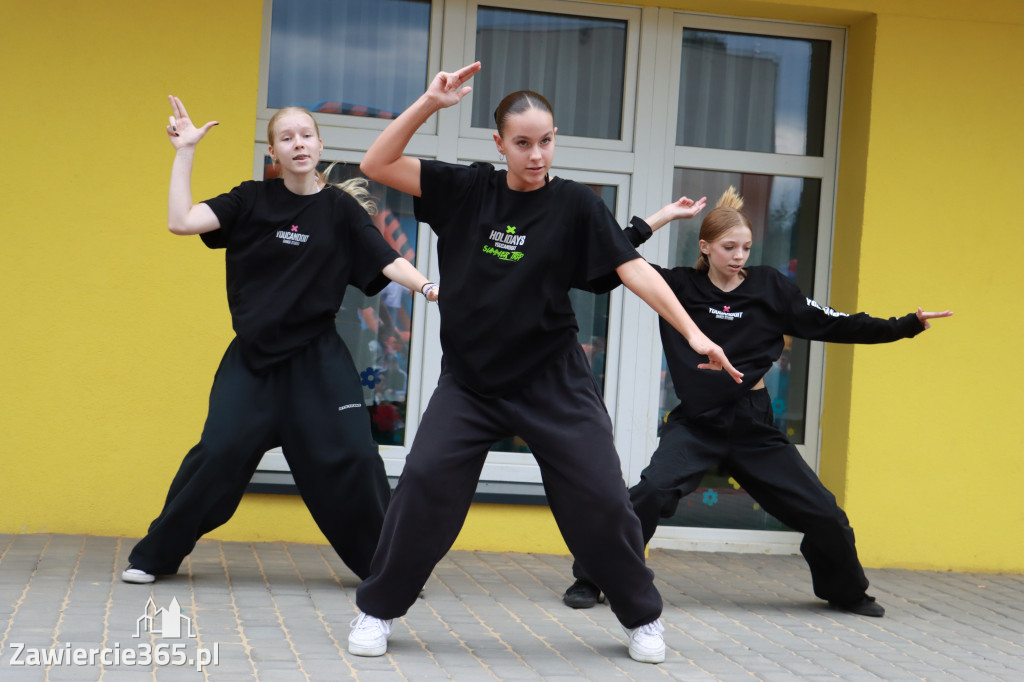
640,278
805,318
402,271
384,160
184,217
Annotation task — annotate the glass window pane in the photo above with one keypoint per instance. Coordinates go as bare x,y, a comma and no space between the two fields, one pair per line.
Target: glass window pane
784,214
592,315
752,93
377,329
578,63
348,56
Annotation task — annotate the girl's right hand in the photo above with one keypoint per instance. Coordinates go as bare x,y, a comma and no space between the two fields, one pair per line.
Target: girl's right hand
684,207
446,88
180,130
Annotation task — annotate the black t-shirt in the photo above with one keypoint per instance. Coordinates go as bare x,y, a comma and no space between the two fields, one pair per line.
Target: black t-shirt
507,262
289,258
748,323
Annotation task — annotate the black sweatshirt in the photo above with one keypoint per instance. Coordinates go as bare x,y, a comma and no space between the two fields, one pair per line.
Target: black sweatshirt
749,323
289,258
507,262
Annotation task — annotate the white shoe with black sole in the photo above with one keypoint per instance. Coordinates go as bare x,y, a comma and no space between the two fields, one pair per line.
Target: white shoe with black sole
137,576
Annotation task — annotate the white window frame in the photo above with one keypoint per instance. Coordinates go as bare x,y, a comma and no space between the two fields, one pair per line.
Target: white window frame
595,150
343,131
824,168
640,165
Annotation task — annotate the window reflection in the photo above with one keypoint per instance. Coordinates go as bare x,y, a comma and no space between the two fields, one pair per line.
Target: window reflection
784,214
752,93
348,56
578,63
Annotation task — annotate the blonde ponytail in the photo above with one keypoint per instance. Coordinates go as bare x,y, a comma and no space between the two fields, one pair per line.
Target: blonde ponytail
727,214
731,199
355,187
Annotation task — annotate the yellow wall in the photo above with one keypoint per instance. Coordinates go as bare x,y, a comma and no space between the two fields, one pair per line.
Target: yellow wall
933,458
113,327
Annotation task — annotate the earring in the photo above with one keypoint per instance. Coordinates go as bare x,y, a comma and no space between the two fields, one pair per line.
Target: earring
501,157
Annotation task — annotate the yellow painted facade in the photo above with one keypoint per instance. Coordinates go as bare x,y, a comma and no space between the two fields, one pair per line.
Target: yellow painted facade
112,327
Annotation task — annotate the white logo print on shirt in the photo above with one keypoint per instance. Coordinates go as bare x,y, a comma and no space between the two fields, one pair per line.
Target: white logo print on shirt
825,309
725,313
292,237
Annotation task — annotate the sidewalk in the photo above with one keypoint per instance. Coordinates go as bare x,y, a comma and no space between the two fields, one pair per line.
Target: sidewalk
278,612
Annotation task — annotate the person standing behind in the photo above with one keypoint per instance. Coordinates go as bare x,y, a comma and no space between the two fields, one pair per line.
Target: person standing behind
292,244
510,246
748,310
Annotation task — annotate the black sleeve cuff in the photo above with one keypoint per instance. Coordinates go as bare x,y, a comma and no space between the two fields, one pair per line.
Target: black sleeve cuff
638,231
911,326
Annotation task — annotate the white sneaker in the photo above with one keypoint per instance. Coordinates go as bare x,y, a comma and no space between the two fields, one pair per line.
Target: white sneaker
137,575
369,636
646,643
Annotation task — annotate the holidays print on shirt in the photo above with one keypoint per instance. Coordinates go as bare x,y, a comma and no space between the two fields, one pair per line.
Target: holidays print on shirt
505,244
292,237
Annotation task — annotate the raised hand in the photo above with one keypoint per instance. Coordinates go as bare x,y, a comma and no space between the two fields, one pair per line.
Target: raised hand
925,316
684,207
180,130
446,88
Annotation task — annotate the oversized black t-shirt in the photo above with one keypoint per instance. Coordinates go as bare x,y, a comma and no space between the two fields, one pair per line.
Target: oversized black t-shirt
507,261
749,323
289,258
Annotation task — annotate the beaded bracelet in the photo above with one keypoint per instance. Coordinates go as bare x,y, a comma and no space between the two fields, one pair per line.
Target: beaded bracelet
427,286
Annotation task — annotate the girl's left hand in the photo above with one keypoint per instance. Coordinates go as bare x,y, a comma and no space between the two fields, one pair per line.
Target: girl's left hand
433,293
923,316
716,357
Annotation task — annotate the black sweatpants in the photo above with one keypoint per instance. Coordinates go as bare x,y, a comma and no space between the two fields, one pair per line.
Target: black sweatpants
772,471
310,404
561,416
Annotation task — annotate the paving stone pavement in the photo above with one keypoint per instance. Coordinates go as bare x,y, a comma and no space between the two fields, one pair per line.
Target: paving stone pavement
279,612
